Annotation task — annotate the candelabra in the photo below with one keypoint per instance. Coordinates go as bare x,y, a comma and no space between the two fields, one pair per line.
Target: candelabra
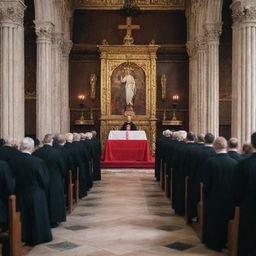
175,99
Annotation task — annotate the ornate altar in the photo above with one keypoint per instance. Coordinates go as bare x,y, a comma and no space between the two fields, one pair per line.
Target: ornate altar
142,60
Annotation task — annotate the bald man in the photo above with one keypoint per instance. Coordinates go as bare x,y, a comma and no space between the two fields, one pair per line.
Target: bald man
218,174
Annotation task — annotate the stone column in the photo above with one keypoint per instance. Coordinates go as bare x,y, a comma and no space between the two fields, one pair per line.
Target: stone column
56,81
44,78
193,87
213,32
202,85
64,94
244,70
12,69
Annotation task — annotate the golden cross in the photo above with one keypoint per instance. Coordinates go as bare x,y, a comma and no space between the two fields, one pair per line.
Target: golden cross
128,39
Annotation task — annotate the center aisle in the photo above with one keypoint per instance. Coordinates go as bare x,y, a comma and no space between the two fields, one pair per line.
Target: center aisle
124,214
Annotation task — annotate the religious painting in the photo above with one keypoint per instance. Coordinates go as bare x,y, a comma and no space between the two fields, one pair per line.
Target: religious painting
128,88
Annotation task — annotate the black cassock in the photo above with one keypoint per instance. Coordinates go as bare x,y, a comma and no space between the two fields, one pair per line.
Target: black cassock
57,172
6,153
235,155
7,187
88,153
218,200
195,177
133,126
32,182
245,197
96,153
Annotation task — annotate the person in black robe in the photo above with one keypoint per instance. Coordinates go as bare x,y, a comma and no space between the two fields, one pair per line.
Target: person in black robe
129,125
177,169
57,173
32,182
218,201
82,161
7,187
160,151
96,154
195,175
8,150
244,188
233,149
2,142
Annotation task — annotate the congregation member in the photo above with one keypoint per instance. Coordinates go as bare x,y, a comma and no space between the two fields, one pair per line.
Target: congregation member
246,150
8,150
233,149
57,172
176,171
160,151
81,157
245,197
200,139
32,183
218,172
7,188
2,142
96,153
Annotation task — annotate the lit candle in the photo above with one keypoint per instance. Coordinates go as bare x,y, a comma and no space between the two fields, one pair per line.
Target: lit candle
175,97
81,97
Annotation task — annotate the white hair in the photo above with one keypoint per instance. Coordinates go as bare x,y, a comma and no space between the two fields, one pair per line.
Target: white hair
167,133
88,136
9,141
76,136
176,135
182,135
69,137
27,144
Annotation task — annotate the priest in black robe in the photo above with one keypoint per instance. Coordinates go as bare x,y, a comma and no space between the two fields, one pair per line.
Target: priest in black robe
8,150
245,197
129,125
96,154
218,201
57,172
32,182
233,149
202,154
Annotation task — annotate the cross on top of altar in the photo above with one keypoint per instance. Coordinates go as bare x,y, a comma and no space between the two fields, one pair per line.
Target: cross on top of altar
128,39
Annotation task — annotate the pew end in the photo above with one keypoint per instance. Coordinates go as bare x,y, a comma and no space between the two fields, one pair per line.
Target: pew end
186,199
77,186
70,192
200,210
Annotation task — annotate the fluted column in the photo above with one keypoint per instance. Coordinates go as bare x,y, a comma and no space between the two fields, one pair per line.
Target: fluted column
202,85
213,32
56,81
44,78
244,70
12,69
64,94
193,87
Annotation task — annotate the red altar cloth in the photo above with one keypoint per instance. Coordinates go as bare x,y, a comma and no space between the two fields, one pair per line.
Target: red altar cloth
127,153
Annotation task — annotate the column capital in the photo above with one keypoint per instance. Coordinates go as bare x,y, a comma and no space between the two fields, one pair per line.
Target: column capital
191,48
201,43
57,39
44,30
213,31
66,47
12,11
242,13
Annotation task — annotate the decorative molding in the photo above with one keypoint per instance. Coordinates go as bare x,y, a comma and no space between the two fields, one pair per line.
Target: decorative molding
44,30
243,13
201,42
213,31
12,11
66,47
57,39
143,4
192,48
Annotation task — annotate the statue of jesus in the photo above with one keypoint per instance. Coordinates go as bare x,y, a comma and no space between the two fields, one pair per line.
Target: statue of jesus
130,89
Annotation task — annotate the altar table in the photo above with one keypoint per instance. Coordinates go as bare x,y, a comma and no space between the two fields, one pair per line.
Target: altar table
127,135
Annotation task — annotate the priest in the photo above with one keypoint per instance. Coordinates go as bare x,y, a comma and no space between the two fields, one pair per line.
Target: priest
218,202
245,197
129,125
31,187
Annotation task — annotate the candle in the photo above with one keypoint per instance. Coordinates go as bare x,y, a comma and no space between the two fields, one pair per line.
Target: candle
175,97
81,97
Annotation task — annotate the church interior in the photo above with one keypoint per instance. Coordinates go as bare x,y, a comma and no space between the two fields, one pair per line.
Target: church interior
114,93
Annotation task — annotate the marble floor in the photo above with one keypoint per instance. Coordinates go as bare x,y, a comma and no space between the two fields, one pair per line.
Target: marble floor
125,214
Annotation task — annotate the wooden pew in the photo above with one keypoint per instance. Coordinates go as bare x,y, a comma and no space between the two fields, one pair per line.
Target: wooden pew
14,233
76,186
70,192
186,199
233,233
163,175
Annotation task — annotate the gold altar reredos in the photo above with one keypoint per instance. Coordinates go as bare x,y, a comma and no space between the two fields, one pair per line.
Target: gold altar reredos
145,57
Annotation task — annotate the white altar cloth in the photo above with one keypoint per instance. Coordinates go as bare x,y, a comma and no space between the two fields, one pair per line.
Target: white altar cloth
127,135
